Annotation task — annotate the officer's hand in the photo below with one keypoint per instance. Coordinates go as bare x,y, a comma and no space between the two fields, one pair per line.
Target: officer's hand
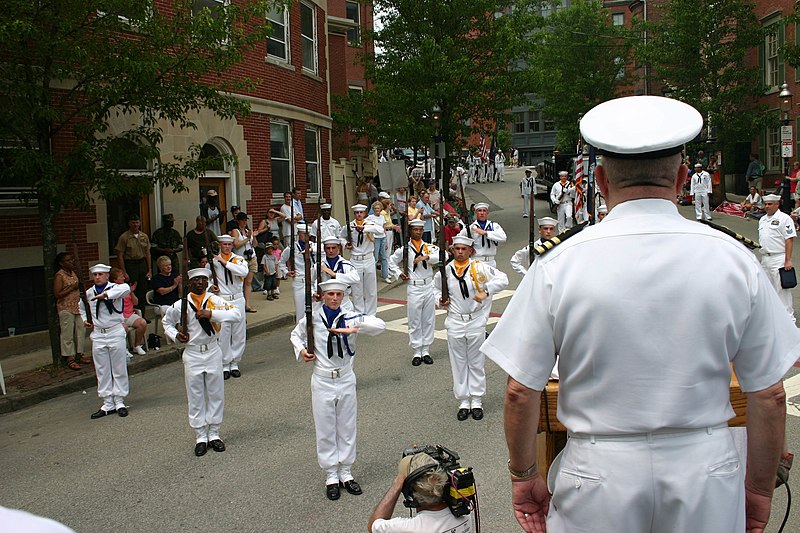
88,325
328,271
480,296
788,264
182,337
404,276
444,303
203,313
349,246
316,296
757,508
101,296
479,231
307,357
344,331
531,501
214,289
291,273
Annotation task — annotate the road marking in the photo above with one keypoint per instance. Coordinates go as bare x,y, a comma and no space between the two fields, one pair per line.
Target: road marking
792,387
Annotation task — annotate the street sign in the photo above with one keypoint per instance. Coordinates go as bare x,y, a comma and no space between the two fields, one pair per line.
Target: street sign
787,149
786,134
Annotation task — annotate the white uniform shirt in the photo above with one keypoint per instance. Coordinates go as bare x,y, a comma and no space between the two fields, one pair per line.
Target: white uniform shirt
102,316
422,271
221,311
299,263
773,232
286,225
701,183
477,275
558,189
363,243
441,521
520,261
528,185
485,245
499,160
230,277
633,356
330,227
344,269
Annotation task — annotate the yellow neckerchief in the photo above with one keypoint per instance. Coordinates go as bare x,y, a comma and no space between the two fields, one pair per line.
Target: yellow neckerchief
198,303
460,267
224,256
360,223
420,246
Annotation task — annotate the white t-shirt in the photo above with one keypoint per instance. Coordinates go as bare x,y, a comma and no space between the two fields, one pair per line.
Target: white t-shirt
773,232
646,311
441,521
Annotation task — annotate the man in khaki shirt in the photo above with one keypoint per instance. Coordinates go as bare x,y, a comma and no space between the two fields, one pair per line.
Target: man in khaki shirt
133,257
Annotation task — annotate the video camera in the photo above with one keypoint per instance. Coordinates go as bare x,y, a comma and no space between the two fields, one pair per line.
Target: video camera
459,493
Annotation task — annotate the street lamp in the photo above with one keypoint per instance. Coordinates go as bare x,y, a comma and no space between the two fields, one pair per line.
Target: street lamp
787,145
438,148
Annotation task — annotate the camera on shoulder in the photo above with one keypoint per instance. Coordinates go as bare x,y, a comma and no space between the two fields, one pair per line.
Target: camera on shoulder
459,491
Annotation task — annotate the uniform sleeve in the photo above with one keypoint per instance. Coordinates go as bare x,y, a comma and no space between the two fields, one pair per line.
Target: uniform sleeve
497,280
170,321
82,307
237,266
437,287
298,337
497,234
433,252
118,291
395,261
522,341
554,194
283,268
120,247
348,275
370,325
222,312
519,261
789,229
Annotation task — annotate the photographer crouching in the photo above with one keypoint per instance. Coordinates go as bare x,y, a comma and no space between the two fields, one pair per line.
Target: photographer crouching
431,481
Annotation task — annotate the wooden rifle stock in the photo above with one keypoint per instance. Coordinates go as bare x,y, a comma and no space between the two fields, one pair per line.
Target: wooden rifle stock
467,221
442,246
81,286
347,212
532,217
406,230
185,285
319,246
210,257
309,313
290,263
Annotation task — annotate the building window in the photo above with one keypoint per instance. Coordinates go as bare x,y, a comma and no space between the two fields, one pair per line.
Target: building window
533,121
214,7
308,32
313,177
519,122
131,13
280,150
353,12
278,42
774,161
770,56
549,125
772,59
620,63
618,19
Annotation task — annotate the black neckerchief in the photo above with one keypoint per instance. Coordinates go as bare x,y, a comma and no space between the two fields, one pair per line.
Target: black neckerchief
483,237
360,240
108,303
205,323
418,253
331,335
462,284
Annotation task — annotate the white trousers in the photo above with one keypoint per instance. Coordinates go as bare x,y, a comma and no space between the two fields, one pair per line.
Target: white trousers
564,216
526,204
701,208
299,295
205,389
233,337
771,264
689,482
365,292
421,306
389,242
464,340
334,404
110,357
500,172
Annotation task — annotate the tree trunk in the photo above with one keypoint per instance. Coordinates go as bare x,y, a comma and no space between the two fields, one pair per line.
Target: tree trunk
47,218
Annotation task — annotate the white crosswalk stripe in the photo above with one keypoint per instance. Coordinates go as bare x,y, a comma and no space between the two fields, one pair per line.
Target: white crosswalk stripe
792,387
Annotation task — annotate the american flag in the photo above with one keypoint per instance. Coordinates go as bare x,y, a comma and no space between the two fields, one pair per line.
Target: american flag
579,182
483,147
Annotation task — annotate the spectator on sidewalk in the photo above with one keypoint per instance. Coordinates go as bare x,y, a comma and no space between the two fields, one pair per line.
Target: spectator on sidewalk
753,203
269,264
133,257
131,319
755,172
68,298
167,241
166,284
196,240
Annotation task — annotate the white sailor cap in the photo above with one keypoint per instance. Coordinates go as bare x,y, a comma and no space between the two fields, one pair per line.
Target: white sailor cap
326,206
302,228
527,171
460,239
383,194
602,209
772,198
417,223
359,207
197,272
225,238
547,221
481,205
99,268
333,285
332,239
641,127
698,165
563,173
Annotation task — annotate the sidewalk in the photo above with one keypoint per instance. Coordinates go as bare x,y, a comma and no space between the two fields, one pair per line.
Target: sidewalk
30,377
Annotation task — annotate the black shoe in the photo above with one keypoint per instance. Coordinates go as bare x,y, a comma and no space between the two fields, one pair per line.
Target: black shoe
416,361
477,413
462,414
217,445
236,373
427,359
100,413
200,449
332,491
122,411
352,487
226,374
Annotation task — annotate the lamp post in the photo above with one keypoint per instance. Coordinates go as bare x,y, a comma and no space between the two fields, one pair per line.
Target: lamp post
787,146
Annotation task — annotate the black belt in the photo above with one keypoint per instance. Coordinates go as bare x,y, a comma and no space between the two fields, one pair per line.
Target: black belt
140,260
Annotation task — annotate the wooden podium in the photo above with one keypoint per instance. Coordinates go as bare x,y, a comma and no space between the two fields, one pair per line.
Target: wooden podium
552,436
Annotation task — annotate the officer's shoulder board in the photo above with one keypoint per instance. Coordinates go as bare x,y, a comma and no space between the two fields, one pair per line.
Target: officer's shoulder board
549,244
741,238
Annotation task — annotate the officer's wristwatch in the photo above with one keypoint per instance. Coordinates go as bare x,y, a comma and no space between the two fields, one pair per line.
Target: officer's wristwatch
524,474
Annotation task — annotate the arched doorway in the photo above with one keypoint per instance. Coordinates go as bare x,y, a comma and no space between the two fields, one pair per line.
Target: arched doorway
219,179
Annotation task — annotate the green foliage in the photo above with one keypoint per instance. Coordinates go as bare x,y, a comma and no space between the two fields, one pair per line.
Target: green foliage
577,62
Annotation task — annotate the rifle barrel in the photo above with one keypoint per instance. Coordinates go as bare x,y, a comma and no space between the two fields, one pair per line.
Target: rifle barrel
81,286
185,285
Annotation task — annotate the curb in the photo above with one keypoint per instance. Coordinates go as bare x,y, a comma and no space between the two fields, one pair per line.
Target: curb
21,400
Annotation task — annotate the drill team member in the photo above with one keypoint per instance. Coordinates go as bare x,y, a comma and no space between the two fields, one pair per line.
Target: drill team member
329,225
298,271
363,235
776,233
333,383
109,351
562,194
334,266
470,284
421,302
521,258
231,269
485,234
202,357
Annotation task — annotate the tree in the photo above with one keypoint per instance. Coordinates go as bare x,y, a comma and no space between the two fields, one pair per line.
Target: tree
461,55
699,48
578,62
67,67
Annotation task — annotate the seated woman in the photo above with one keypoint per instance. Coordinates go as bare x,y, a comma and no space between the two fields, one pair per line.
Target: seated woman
166,284
753,202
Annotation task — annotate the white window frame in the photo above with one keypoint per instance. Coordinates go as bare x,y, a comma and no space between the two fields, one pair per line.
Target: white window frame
304,39
357,21
771,62
318,155
277,122
774,160
284,13
618,19
620,64
223,4
125,20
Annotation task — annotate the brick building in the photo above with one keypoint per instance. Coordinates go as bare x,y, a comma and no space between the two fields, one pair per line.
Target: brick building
285,142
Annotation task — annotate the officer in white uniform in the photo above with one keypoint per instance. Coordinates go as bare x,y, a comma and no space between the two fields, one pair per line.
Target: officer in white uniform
231,269
700,189
109,351
298,271
202,357
486,235
334,266
362,234
333,383
646,409
527,187
470,284
329,225
421,303
500,166
776,233
562,194
521,258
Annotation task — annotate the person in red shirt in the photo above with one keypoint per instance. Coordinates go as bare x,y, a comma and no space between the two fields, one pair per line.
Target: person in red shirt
451,229
793,183
132,320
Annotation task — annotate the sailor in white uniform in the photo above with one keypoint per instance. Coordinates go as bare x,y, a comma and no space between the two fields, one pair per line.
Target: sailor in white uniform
333,383
562,194
527,187
329,225
485,234
421,301
360,236
297,272
109,351
521,258
776,234
231,269
202,357
334,266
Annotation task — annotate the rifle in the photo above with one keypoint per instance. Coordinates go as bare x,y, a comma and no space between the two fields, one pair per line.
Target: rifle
319,245
81,286
185,285
347,212
290,263
210,256
531,233
406,230
442,246
309,314
466,208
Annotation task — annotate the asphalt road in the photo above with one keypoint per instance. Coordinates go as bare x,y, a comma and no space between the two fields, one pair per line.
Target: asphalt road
139,474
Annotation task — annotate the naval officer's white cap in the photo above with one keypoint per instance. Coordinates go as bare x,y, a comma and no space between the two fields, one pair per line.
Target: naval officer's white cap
481,205
99,268
458,239
547,221
225,238
198,272
641,127
332,285
325,206
417,223
331,239
772,198
302,228
359,207
602,209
